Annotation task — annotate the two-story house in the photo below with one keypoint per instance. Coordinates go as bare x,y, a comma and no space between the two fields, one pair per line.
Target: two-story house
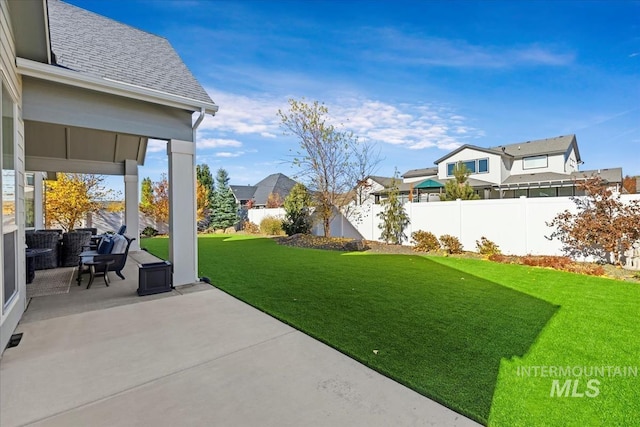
541,168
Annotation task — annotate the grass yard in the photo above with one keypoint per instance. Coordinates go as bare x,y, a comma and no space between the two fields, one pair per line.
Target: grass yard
463,332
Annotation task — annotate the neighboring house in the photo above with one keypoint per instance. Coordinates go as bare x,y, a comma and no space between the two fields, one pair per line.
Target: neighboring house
541,168
276,183
83,93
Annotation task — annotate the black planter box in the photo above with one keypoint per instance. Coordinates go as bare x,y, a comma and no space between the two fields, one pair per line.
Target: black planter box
154,278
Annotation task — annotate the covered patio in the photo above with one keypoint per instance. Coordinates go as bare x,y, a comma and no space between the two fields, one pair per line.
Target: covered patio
82,93
79,299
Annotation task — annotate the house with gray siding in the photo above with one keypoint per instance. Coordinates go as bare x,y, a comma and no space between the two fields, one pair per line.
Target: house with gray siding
83,93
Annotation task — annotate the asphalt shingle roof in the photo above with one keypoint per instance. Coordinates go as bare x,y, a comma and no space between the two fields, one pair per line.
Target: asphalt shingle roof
558,144
90,43
413,173
609,175
275,183
243,192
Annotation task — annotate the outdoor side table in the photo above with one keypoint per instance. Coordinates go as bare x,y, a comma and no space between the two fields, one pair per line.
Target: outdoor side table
30,254
99,268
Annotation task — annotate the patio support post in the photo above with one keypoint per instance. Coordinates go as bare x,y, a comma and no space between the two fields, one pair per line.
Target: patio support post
182,212
131,215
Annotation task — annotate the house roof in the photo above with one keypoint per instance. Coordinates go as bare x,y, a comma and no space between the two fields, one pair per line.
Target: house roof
382,180
611,175
274,183
243,192
555,145
429,183
472,147
414,173
89,43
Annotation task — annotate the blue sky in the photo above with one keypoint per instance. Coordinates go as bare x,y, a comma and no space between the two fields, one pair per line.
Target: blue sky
417,78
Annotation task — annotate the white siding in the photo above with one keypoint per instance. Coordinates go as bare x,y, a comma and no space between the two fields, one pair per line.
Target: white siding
571,164
10,315
555,163
495,168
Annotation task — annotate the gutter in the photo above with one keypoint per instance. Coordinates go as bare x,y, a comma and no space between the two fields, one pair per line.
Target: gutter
27,67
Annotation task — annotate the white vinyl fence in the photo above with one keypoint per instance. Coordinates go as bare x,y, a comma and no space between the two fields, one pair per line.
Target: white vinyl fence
517,226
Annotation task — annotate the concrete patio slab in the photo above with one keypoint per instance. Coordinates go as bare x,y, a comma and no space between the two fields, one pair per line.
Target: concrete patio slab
99,296
202,358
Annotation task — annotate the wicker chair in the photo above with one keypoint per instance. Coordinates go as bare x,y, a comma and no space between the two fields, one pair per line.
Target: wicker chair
72,245
44,240
93,230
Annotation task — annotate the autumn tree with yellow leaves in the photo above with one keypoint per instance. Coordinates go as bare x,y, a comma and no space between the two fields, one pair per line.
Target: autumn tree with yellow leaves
72,196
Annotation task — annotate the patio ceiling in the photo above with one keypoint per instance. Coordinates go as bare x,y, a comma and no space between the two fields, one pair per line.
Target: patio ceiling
58,148
72,129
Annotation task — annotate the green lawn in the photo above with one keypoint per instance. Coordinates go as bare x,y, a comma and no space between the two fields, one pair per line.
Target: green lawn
459,331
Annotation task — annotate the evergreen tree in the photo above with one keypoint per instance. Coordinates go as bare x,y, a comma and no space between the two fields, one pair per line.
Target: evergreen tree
205,192
394,217
296,206
459,188
224,209
146,196
204,177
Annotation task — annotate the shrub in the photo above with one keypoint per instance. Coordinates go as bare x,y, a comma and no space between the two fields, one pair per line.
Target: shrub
487,247
271,226
451,244
250,227
149,232
555,262
425,241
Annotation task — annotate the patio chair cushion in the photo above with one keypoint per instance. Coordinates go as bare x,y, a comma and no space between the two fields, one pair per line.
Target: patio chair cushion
119,244
105,246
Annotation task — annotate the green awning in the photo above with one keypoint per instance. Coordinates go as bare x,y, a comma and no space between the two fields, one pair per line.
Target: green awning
429,183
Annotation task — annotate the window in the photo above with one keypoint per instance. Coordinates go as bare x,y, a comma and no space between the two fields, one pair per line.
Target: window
483,165
450,167
8,197
29,201
565,191
542,192
474,166
8,168
534,162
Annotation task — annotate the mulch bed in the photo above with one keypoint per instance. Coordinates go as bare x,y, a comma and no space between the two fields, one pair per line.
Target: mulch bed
341,244
345,244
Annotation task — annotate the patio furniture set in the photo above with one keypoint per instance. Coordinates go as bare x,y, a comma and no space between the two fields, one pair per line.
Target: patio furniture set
92,253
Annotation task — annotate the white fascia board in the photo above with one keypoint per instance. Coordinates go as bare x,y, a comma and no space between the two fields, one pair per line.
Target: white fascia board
56,74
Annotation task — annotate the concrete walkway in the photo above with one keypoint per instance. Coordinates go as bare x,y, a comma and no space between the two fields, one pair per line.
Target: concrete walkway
199,359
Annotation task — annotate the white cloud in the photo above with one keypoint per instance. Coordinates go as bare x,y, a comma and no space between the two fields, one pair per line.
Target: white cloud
218,142
229,154
156,146
414,126
242,115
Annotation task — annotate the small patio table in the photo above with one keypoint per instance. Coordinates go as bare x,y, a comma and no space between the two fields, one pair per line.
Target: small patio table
99,268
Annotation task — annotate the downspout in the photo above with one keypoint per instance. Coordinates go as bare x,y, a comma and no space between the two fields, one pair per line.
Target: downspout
198,122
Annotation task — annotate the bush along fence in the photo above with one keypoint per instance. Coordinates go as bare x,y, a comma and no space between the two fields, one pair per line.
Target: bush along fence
517,226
